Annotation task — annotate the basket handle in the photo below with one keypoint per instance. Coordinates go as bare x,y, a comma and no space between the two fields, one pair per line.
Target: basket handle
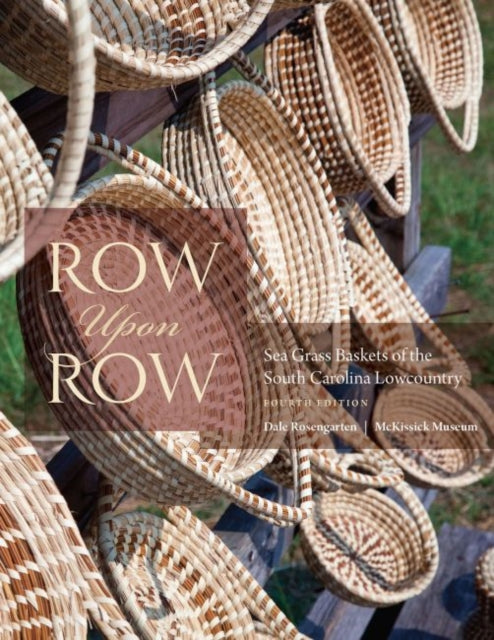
37,228
128,158
383,472
451,357
397,205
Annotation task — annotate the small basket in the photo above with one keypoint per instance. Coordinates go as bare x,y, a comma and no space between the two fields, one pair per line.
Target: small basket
175,578
50,584
367,549
138,45
388,312
436,458
438,46
338,73
479,626
24,180
242,146
203,455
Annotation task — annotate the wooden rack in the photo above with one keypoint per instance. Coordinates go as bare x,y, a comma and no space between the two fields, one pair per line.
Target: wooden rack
128,116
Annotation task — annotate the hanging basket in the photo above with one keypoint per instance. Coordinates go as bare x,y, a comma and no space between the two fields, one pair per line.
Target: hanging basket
367,549
438,46
338,73
175,578
50,584
436,458
24,181
242,147
183,451
138,45
388,313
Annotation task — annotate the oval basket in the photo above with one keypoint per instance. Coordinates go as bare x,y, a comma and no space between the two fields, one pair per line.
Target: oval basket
242,147
138,45
338,73
438,46
388,312
367,549
24,180
176,578
50,584
436,458
187,452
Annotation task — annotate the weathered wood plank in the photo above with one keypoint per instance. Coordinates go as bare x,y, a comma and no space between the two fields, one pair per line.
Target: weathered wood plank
442,608
432,291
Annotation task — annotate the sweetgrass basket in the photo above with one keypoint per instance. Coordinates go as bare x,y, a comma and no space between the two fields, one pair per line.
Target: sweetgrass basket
138,45
367,548
175,578
438,46
242,146
451,458
24,181
337,71
187,453
479,625
50,584
387,312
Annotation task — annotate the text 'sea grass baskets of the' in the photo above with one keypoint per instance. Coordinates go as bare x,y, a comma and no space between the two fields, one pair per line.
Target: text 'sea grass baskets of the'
242,146
183,450
387,313
368,549
49,582
24,180
479,626
337,71
138,45
175,578
438,46
444,437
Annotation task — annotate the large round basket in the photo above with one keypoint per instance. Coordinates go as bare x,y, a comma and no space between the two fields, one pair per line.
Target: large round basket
242,147
138,45
175,578
188,448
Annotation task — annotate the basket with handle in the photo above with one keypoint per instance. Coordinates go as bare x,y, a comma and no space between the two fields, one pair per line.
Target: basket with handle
138,45
387,312
175,578
187,452
24,180
241,146
434,457
335,68
50,584
367,548
438,46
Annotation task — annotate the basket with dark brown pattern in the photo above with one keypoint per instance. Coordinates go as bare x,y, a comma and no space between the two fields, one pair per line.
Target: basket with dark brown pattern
175,578
480,625
369,550
138,44
185,452
50,584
